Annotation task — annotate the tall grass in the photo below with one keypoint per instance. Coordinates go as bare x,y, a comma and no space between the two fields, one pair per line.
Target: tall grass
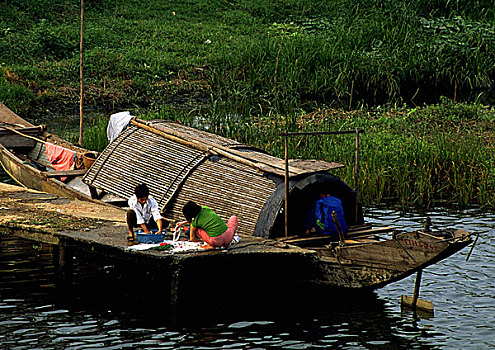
279,55
413,157
367,56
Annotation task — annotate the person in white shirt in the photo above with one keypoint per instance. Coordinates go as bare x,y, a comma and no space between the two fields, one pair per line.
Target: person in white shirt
143,212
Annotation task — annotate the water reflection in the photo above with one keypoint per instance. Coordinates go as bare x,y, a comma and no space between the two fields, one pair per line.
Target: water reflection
104,308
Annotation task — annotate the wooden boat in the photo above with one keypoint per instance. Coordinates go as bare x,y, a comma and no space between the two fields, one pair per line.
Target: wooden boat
373,258
238,179
23,157
180,163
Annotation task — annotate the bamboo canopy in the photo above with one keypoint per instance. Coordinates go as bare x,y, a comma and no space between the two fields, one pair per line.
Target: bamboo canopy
180,163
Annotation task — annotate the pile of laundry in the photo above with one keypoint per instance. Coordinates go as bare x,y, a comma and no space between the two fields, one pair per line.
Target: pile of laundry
170,245
175,245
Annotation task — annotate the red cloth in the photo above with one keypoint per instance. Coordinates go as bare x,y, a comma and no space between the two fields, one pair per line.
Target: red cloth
61,158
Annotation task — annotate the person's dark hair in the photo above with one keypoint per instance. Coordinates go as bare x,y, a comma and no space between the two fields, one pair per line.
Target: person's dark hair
141,191
191,210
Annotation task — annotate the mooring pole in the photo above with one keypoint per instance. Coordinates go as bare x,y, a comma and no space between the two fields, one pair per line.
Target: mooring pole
417,284
286,184
356,184
176,290
81,47
63,255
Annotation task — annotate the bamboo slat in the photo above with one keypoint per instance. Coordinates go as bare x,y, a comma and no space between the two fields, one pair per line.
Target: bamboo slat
77,172
256,159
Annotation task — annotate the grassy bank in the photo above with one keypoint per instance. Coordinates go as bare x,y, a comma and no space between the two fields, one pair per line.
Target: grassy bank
278,55
438,154
251,69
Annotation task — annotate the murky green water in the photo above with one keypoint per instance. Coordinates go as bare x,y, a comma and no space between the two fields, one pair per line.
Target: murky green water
104,310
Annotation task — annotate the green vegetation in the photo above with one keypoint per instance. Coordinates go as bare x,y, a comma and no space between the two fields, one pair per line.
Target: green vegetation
419,157
274,54
251,69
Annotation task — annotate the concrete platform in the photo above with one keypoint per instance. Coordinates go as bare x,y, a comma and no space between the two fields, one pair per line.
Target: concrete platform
70,225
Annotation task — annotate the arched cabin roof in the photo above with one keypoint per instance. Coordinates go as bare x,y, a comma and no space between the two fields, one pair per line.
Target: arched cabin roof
180,163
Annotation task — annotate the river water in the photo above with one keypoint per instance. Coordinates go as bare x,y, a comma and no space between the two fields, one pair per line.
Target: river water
103,310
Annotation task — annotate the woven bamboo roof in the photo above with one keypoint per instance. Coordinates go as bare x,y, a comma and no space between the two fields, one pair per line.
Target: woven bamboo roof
180,163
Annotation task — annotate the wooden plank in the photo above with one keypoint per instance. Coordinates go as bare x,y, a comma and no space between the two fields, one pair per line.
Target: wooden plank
16,141
359,227
355,234
420,303
77,172
360,240
19,137
9,130
352,229
372,231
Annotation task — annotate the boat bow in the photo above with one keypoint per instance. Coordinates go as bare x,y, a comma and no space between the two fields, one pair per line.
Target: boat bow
372,265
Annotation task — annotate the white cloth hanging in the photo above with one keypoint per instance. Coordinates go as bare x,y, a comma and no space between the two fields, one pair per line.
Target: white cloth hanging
117,123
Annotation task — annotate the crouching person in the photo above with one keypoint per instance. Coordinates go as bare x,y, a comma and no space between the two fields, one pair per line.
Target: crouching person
143,212
208,226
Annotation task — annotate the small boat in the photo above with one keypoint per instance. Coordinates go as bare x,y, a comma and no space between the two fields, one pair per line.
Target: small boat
373,258
180,163
23,155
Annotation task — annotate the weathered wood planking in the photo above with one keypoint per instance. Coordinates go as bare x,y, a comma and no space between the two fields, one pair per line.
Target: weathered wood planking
11,139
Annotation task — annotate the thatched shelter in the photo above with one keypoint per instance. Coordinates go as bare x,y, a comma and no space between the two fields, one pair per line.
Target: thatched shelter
180,163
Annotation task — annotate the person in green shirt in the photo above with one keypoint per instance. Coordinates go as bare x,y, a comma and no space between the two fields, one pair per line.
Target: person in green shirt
208,226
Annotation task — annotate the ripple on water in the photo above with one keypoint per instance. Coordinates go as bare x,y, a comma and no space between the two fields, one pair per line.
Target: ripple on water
33,316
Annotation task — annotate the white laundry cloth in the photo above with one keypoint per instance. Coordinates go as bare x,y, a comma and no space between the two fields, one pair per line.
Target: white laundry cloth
178,246
117,123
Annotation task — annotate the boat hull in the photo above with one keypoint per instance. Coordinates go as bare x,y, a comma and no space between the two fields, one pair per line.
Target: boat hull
32,178
374,265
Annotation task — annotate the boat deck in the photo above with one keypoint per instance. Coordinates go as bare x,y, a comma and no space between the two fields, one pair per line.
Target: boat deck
72,225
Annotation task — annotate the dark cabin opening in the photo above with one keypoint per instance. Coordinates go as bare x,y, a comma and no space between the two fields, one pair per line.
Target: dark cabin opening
302,197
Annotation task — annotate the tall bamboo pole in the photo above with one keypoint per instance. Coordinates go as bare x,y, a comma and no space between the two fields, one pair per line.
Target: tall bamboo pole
286,184
81,76
356,186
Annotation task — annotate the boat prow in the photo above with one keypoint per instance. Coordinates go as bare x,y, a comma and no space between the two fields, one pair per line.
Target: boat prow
374,263
23,155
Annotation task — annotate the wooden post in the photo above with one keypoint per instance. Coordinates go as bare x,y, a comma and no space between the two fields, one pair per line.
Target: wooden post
176,290
339,229
63,256
356,184
286,185
81,76
415,303
417,284
352,93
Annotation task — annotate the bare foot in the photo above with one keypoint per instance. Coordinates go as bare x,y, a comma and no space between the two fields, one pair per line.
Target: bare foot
207,246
